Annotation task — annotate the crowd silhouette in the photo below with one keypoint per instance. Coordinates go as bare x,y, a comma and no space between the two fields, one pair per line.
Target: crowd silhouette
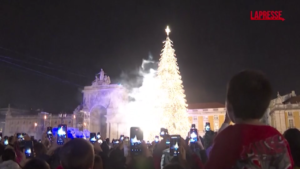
247,144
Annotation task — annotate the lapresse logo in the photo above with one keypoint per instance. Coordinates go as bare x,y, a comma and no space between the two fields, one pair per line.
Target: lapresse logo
266,15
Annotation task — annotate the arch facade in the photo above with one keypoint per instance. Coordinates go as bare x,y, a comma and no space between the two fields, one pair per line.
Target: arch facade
101,110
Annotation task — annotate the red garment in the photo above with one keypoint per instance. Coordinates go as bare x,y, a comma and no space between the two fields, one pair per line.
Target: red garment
197,161
244,146
19,156
17,151
59,167
157,159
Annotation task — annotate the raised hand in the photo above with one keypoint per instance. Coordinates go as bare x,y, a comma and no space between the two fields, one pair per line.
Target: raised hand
97,147
146,151
26,137
199,142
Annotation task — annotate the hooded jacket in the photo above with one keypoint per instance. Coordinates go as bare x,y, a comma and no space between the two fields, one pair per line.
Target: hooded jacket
10,164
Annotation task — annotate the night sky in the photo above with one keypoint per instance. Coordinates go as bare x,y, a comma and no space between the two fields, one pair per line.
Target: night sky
51,50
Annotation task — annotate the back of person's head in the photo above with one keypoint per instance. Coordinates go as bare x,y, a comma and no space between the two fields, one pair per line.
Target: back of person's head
107,140
9,154
249,94
39,149
105,147
208,138
35,142
36,164
77,154
11,140
54,160
2,148
116,158
98,163
173,166
293,138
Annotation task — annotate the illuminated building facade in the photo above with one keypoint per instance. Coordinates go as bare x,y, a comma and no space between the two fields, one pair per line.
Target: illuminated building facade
201,113
33,123
284,112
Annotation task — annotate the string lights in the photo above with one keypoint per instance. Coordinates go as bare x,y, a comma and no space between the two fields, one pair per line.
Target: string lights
174,117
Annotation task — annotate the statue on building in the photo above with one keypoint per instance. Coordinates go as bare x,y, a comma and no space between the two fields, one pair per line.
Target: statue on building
108,80
95,82
101,79
293,94
105,78
101,75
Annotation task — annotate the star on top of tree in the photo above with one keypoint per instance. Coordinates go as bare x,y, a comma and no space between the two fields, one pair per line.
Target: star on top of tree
168,30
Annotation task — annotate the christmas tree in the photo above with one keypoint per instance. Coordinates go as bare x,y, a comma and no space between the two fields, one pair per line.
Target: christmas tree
172,97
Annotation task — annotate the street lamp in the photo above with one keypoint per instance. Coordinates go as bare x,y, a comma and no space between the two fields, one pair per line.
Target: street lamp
45,118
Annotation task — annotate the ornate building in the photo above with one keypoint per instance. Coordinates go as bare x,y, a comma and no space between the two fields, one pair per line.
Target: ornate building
200,113
101,109
12,111
32,123
284,112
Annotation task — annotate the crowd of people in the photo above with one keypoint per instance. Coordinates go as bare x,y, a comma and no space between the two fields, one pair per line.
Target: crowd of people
248,144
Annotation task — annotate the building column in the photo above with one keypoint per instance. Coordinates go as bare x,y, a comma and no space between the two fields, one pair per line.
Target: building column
282,122
113,130
269,119
107,130
277,120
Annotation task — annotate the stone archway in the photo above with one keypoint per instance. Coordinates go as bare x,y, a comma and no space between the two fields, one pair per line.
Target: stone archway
98,121
102,103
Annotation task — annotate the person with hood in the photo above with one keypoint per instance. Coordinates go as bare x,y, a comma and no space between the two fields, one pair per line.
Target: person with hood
9,160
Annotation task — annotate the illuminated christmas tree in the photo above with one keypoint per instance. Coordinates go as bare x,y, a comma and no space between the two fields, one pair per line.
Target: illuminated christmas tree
172,95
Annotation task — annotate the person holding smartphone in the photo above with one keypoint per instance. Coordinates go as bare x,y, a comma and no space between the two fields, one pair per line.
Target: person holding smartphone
208,136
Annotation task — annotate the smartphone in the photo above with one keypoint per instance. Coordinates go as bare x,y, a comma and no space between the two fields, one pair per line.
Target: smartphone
162,132
100,141
136,138
5,142
193,126
20,136
93,138
116,142
193,135
98,135
174,145
49,132
168,141
61,134
156,139
28,147
121,137
207,126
